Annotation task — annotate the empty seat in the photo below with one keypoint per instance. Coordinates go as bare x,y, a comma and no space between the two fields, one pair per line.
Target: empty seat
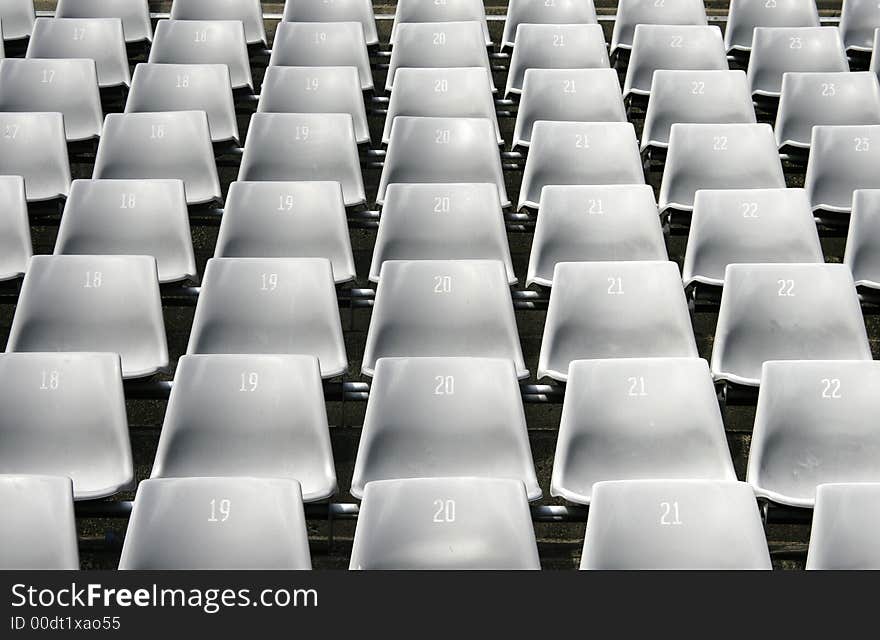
810,99
574,95
175,145
204,42
304,147
93,304
444,417
592,224
744,15
217,523
17,18
68,86
440,45
186,87
842,159
38,530
316,90
748,226
863,242
614,310
322,44
858,19
695,97
248,415
780,50
674,524
631,13
287,220
15,230
670,47
100,39
441,222
636,419
64,415
34,146
563,153
816,423
336,11
444,11
442,150
718,156
555,46
272,306
248,12
786,312
543,12
135,15
463,92
445,523
426,308
844,532
130,217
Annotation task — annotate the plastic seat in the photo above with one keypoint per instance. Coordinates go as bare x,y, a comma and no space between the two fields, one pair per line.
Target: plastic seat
671,47
748,226
579,153
744,15
287,220
638,419
555,46
674,524
186,87
844,531
858,20
15,230
334,11
175,145
316,90
543,12
304,147
444,417
34,146
135,15
445,523
863,242
64,415
786,312
463,92
322,44
68,86
572,95
426,308
130,217
631,13
614,310
100,39
38,529
815,423
248,415
248,12
271,306
217,523
442,150
718,156
17,18
446,11
442,45
204,42
811,99
93,304
874,65
593,224
441,222
780,50
695,97
842,159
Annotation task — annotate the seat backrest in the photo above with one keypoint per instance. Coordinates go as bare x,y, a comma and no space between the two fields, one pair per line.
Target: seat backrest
543,12
843,158
337,11
858,19
248,12
780,50
17,18
744,15
135,15
15,228
34,146
863,240
844,530
446,11
631,13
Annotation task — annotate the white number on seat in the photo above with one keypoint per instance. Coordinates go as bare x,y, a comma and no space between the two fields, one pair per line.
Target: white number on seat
312,84
581,141
615,286
558,40
249,381
442,204
442,136
10,131
795,43
669,514
48,76
698,87
786,288
79,33
749,209
831,388
677,42
94,280
441,86
302,132
828,89
182,81
569,87
320,37
157,131
594,207
201,36
50,380
445,510
637,387
442,284
439,39
719,143
445,385
269,281
285,203
220,510
862,144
